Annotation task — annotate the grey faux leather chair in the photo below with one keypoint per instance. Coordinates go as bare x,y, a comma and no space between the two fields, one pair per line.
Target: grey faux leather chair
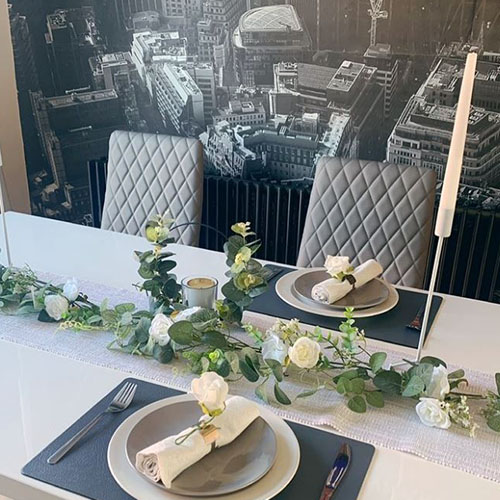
366,209
148,174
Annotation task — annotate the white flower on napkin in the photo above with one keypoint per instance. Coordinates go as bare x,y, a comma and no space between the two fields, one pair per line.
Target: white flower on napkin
158,330
274,348
305,353
70,290
56,306
211,392
439,385
337,264
432,413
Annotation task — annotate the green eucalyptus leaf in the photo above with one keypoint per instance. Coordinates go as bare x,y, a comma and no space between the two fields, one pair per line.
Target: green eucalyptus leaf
230,291
123,308
433,361
254,266
276,368
233,360
146,272
357,385
457,381
223,368
109,316
126,318
26,309
95,319
494,423
171,288
214,338
375,398
357,404
45,318
258,290
248,352
307,394
165,266
203,316
181,332
261,392
388,381
248,371
456,374
377,361
497,380
205,364
142,330
232,246
350,374
423,371
163,354
414,387
280,396
104,305
344,385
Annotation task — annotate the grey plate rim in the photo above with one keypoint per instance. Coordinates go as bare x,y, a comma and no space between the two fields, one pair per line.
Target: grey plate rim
197,494
280,475
310,300
283,289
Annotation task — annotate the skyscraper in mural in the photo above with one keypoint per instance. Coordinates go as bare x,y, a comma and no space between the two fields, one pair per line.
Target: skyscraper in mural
268,86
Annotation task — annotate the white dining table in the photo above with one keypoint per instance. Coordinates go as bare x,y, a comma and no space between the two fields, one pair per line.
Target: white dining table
41,394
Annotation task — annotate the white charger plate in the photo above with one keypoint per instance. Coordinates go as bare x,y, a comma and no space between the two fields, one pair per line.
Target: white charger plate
281,473
285,287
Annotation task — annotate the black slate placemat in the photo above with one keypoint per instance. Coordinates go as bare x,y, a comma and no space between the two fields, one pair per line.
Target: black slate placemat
388,327
85,471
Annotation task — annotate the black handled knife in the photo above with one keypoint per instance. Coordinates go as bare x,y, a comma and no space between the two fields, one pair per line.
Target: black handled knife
337,473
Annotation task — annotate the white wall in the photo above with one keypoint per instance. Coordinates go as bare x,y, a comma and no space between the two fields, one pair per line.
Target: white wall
11,142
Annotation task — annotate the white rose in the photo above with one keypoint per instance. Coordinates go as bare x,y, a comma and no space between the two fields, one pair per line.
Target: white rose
305,352
158,330
186,314
439,385
70,290
211,391
432,413
56,306
335,265
274,348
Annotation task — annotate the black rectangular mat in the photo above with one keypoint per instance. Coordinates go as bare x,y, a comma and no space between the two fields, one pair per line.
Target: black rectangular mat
85,470
388,327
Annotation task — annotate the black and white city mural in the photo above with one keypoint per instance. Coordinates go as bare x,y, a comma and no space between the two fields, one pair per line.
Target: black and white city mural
268,87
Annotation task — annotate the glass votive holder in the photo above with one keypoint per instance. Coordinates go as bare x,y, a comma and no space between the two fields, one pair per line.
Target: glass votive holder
199,291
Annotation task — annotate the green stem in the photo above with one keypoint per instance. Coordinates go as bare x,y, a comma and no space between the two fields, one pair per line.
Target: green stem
469,396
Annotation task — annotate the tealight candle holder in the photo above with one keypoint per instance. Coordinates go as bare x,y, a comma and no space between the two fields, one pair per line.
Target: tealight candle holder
199,291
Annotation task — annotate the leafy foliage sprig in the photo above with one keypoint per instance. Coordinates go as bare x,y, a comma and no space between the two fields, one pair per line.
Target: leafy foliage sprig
155,266
248,278
206,339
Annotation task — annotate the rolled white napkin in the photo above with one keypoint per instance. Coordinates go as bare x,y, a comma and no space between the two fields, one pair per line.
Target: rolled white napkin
165,460
331,290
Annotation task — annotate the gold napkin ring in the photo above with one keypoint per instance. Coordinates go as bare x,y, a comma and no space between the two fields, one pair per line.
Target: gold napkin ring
210,434
351,279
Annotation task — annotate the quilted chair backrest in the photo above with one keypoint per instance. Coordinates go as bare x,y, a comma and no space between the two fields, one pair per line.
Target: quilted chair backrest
149,174
367,209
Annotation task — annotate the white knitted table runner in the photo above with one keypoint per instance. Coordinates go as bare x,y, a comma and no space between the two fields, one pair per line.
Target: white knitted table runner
396,426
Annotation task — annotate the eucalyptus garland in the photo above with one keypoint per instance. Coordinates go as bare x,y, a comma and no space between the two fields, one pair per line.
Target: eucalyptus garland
216,340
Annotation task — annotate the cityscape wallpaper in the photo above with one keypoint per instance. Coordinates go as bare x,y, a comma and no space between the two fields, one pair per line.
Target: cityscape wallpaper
268,86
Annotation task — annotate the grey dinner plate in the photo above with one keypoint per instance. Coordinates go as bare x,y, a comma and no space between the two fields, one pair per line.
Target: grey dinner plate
371,294
226,470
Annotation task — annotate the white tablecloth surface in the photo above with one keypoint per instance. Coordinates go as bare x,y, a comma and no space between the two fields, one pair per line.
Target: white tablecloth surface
42,394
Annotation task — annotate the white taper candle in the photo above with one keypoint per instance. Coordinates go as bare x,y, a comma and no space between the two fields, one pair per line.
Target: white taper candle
451,182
